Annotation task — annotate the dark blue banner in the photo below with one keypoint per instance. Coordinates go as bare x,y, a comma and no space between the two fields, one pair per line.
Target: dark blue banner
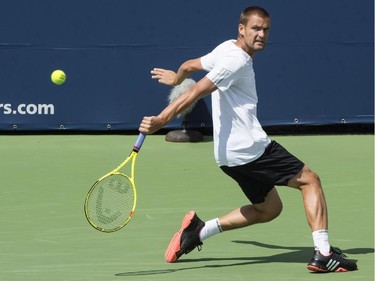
316,69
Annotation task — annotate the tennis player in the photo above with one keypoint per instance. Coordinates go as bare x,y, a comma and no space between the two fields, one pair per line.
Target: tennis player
242,149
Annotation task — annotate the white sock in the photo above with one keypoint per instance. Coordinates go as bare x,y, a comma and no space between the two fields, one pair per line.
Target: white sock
321,243
211,228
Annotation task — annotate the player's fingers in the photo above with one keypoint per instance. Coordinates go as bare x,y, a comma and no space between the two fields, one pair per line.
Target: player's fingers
151,124
146,120
156,75
157,70
143,130
145,125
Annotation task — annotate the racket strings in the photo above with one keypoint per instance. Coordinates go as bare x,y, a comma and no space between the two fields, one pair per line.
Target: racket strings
111,202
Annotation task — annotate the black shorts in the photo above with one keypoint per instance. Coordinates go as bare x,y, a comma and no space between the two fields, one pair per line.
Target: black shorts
276,166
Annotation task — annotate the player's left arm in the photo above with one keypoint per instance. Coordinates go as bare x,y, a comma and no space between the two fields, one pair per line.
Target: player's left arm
169,77
151,124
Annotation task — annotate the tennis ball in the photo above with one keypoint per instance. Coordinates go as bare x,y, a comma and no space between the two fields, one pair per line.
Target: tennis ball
58,77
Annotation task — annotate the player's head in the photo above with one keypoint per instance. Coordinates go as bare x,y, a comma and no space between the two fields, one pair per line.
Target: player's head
253,10
253,29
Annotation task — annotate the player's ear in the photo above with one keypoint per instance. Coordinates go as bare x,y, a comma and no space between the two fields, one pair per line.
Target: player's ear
241,29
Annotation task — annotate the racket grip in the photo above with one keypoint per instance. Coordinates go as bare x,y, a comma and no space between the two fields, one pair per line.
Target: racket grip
138,144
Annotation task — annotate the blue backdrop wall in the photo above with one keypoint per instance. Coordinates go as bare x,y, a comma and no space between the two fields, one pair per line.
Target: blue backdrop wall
316,69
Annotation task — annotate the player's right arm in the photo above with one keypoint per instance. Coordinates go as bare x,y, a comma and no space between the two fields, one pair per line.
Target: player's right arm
169,77
151,124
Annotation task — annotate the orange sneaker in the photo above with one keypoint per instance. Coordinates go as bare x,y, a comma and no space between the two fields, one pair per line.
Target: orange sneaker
186,239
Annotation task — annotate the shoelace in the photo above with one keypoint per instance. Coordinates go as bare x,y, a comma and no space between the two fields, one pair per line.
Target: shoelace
341,259
338,252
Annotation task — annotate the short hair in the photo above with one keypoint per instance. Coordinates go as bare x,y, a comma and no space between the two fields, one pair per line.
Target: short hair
253,10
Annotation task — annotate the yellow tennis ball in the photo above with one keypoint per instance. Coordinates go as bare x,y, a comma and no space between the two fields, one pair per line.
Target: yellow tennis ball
58,77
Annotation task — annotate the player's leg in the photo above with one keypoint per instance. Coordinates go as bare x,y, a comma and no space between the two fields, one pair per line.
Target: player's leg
266,205
252,214
325,258
193,230
313,197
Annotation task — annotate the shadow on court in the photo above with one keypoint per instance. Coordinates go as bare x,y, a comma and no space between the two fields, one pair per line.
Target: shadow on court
293,255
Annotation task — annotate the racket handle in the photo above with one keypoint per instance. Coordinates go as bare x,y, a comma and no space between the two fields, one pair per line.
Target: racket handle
138,144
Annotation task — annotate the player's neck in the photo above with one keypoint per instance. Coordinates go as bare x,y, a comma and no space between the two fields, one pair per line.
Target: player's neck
241,44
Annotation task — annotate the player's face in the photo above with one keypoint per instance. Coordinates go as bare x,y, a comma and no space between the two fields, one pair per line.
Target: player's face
254,35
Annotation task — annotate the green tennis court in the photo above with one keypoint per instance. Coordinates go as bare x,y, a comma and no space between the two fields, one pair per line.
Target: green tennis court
44,234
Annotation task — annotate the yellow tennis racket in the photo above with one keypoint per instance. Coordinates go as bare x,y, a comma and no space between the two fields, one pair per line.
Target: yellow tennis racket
111,201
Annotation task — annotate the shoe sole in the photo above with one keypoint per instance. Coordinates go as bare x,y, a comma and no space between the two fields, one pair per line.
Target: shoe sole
175,245
317,269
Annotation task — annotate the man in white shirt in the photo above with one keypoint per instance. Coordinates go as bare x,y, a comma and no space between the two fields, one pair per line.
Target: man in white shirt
242,149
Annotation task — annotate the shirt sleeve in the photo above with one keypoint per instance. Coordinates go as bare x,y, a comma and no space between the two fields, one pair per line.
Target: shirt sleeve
208,61
225,71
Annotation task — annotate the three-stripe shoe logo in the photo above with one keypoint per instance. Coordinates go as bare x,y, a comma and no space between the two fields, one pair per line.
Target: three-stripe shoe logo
332,265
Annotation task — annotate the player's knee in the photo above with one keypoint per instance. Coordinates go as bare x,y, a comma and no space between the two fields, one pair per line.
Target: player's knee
310,178
312,184
272,213
314,179
315,176
276,210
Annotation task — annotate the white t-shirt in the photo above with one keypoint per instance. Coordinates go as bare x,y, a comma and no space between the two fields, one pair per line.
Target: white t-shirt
238,136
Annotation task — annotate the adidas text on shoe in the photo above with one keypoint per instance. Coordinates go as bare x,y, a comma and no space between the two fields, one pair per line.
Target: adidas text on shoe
186,239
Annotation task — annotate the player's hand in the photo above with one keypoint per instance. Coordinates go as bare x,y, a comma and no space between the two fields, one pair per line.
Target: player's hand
150,124
164,76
